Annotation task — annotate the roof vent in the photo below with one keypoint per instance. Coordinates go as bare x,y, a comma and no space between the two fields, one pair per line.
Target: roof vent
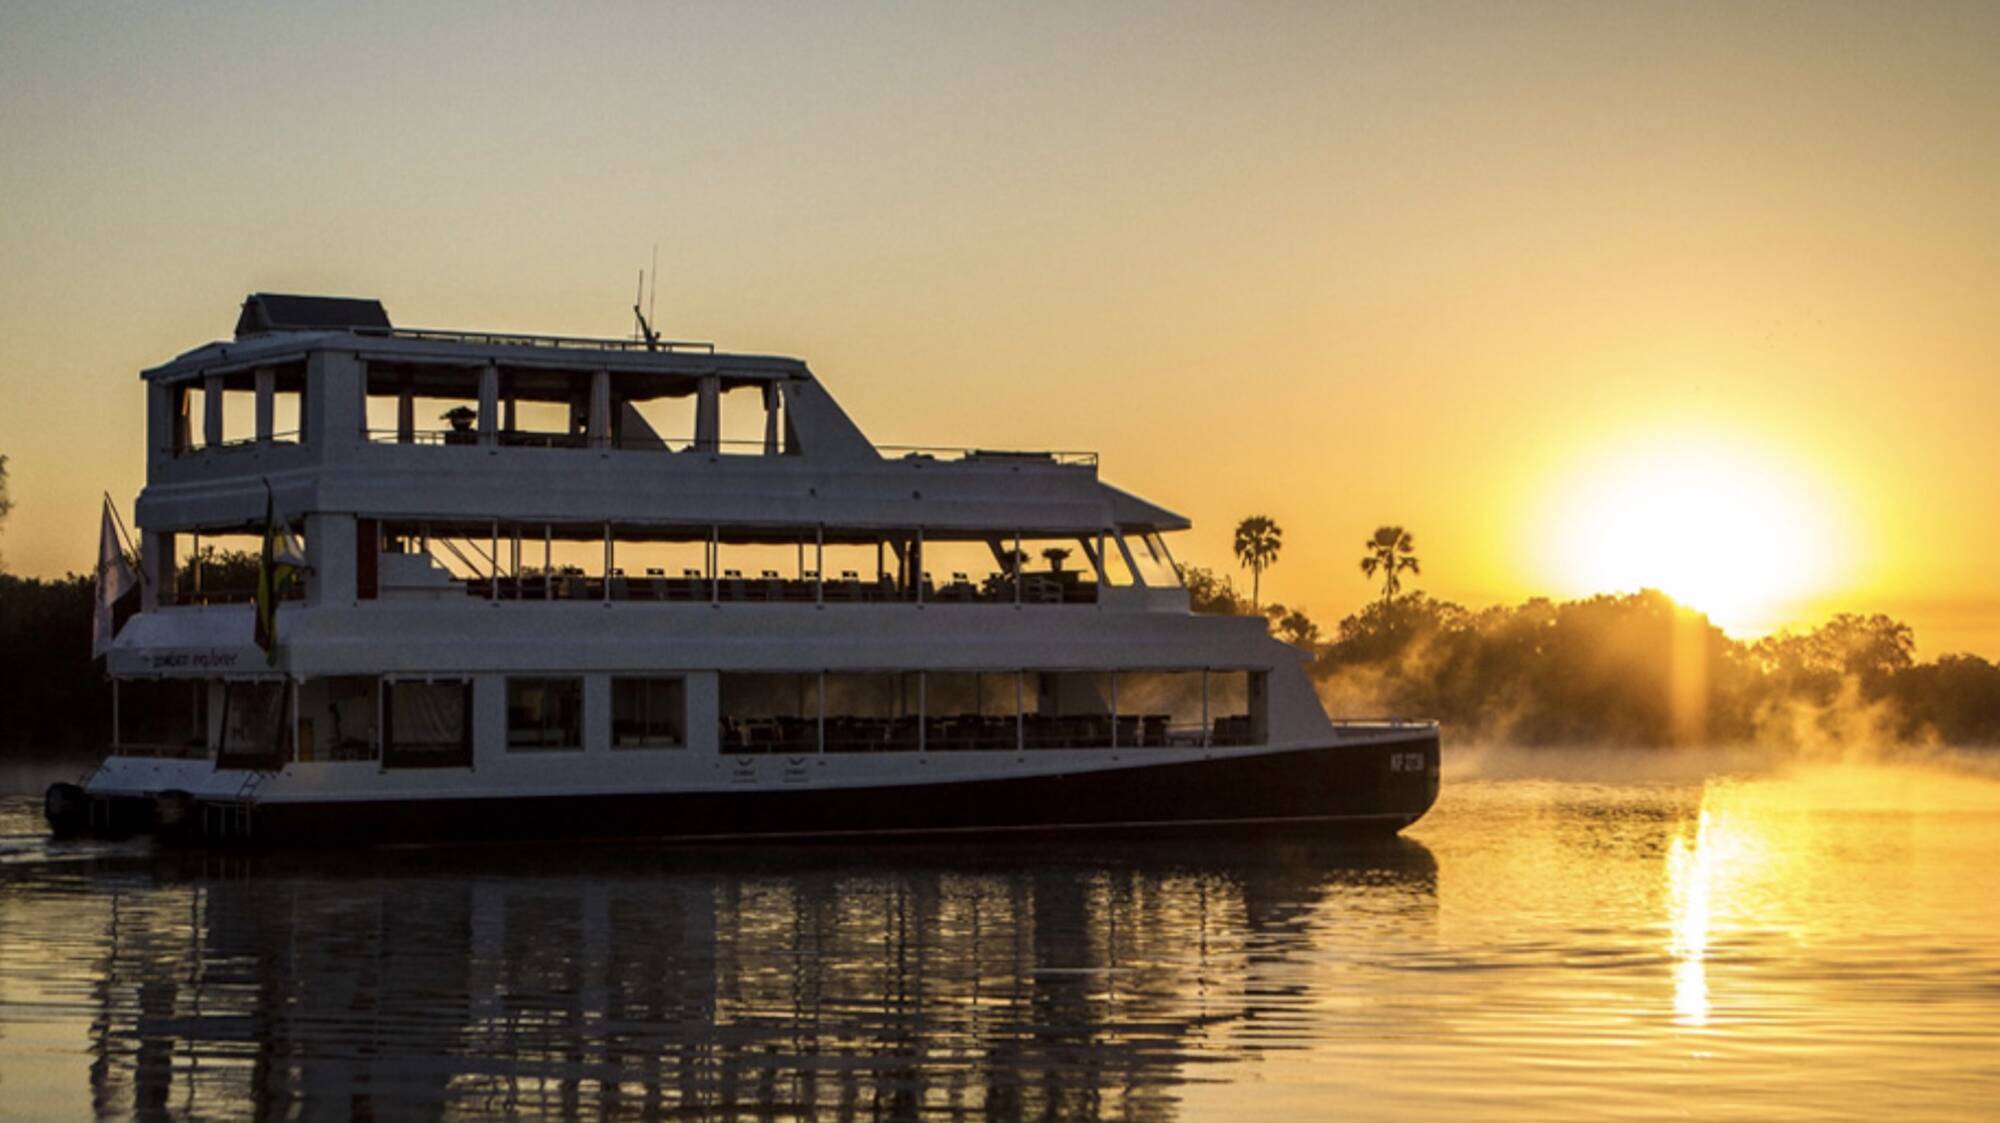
268,312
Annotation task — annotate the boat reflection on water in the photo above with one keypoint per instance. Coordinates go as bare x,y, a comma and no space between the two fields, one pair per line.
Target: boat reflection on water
992,982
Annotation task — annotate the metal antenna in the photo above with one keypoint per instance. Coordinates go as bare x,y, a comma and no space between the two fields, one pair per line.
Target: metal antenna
653,304
646,331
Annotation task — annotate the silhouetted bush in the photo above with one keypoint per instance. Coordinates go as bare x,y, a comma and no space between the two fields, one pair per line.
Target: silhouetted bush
51,695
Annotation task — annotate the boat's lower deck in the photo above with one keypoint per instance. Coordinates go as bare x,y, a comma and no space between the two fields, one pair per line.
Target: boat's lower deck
1380,782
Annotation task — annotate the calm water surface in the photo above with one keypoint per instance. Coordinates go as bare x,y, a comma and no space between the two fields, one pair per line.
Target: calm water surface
1823,944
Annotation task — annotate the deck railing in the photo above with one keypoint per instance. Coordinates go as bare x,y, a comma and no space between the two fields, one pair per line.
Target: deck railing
556,342
1066,458
908,453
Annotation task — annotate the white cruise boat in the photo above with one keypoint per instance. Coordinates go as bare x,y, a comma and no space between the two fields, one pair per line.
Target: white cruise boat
560,587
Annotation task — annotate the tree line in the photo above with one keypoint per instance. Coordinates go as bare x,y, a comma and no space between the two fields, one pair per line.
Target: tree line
1617,669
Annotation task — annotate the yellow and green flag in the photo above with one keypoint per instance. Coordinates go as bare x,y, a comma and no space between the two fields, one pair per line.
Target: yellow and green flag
281,557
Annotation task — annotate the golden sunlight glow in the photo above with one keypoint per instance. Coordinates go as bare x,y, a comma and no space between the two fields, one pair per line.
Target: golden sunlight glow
1733,533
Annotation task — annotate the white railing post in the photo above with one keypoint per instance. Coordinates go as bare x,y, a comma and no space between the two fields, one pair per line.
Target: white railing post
211,411
489,404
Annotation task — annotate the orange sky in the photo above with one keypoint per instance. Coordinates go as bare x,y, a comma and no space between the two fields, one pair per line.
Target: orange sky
1500,274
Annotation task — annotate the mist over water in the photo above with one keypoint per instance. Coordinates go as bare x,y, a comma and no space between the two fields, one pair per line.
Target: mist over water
1795,941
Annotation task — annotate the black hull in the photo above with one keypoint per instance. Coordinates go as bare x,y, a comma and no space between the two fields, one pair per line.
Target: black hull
1377,788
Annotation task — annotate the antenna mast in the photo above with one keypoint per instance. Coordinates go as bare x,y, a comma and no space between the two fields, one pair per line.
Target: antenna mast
646,331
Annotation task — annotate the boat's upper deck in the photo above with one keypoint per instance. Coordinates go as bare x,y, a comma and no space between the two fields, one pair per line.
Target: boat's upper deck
322,409
367,417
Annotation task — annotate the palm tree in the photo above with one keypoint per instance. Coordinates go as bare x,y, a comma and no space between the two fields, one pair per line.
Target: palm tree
1258,540
1391,551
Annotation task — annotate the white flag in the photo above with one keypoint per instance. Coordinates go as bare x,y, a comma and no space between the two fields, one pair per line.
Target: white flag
115,581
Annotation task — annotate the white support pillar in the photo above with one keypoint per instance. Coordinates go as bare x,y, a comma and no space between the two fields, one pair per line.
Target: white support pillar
211,411
770,419
607,563
406,412
917,565
489,405
156,560
600,409
267,399
333,553
715,565
548,562
819,566
708,415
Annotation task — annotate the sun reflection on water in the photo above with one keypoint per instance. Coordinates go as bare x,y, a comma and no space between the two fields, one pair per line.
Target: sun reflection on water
1690,883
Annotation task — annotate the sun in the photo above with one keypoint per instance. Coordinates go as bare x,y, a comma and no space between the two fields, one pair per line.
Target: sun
1728,529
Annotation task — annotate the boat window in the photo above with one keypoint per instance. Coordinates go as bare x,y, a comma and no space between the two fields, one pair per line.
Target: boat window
1159,709
337,718
1155,565
1236,707
427,724
763,713
1054,570
161,717
971,710
659,424
188,405
221,568
418,404
762,565
254,727
1066,709
860,566
648,713
544,713
870,712
745,423
1117,571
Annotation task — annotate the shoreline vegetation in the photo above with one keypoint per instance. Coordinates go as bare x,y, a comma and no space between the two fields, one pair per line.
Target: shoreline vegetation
1632,670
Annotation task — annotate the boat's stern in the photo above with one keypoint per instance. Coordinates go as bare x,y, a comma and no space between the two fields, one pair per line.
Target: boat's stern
127,795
